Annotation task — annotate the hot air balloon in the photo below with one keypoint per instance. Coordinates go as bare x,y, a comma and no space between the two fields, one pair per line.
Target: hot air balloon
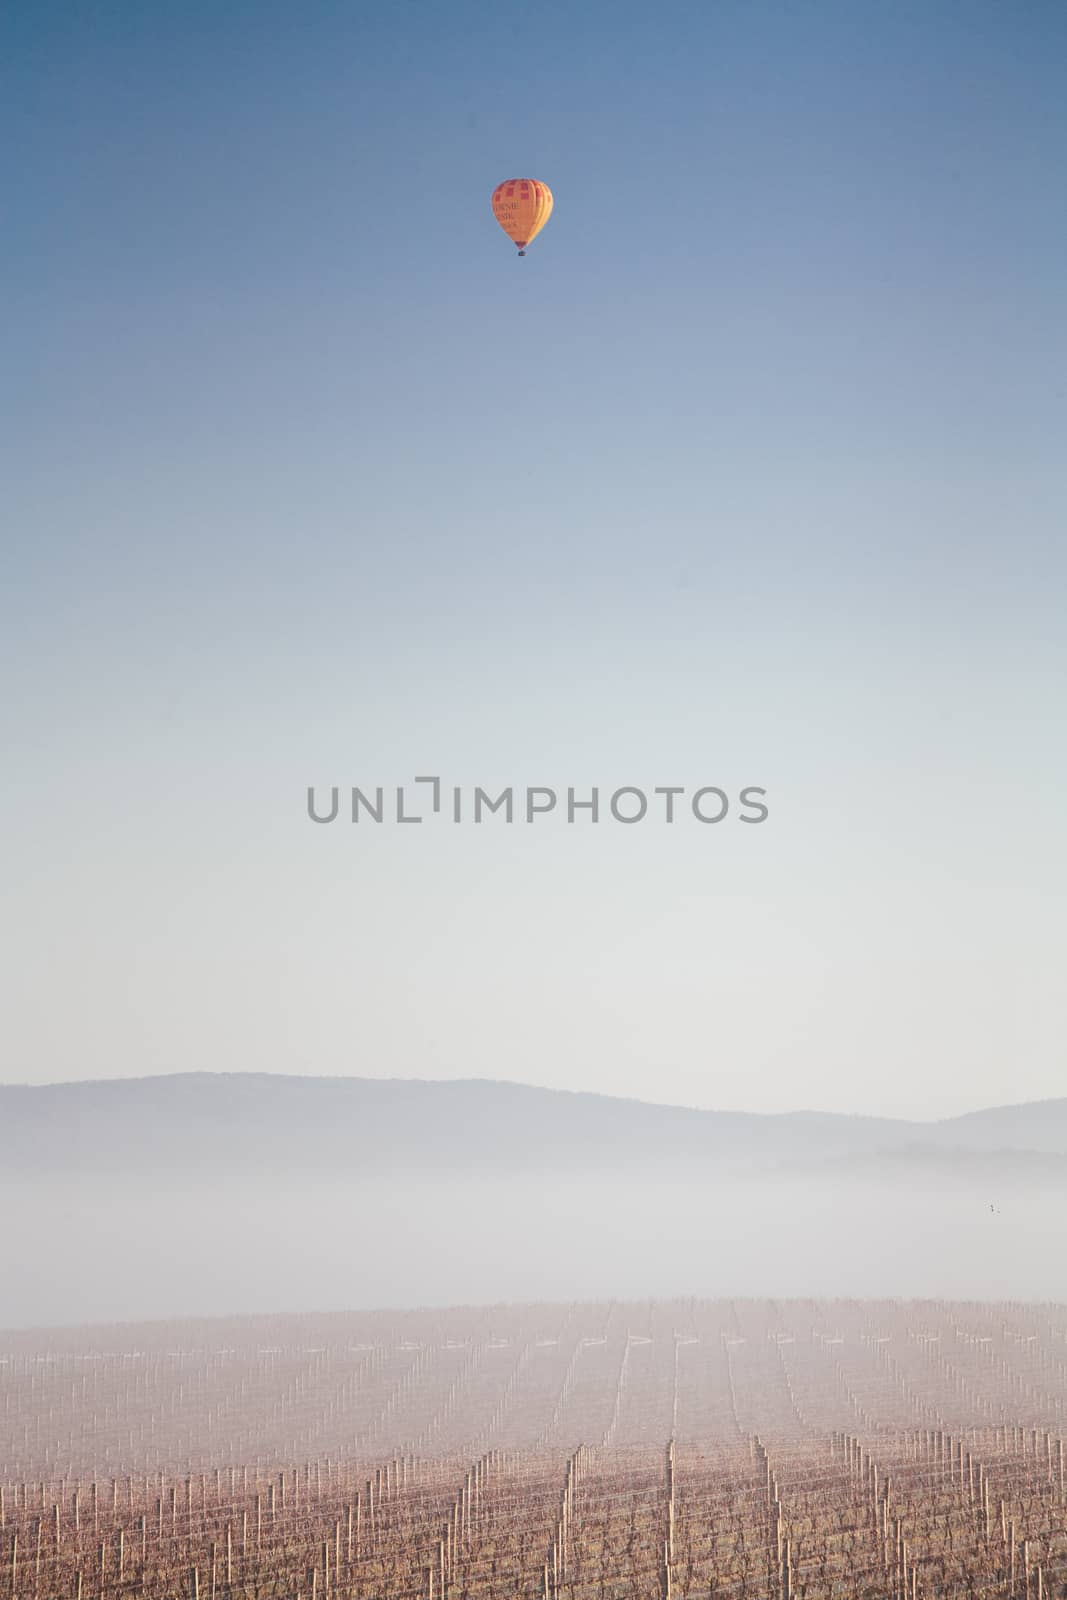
522,206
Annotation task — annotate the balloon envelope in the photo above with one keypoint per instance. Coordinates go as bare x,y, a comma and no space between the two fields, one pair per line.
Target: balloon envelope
522,206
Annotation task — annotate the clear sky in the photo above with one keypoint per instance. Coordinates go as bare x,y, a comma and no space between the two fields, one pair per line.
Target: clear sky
752,472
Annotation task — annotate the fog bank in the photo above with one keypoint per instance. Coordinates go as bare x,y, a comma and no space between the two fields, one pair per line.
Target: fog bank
126,1249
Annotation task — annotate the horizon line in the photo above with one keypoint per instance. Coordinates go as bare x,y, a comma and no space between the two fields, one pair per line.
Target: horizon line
513,1083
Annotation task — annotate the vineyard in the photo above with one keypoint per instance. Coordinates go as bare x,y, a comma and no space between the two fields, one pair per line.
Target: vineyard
691,1449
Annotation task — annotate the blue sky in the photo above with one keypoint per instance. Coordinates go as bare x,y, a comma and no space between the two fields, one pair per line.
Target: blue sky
751,472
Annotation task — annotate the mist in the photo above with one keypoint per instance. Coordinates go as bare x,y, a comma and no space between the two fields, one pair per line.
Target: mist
123,1249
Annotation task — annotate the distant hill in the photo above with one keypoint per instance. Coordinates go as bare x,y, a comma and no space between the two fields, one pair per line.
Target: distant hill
204,1194
1039,1125
251,1122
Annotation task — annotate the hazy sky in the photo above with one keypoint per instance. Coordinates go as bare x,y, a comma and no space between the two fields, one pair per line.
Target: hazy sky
752,472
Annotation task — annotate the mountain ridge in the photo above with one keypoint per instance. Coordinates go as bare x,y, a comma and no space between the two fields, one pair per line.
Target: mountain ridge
237,1121
202,1075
